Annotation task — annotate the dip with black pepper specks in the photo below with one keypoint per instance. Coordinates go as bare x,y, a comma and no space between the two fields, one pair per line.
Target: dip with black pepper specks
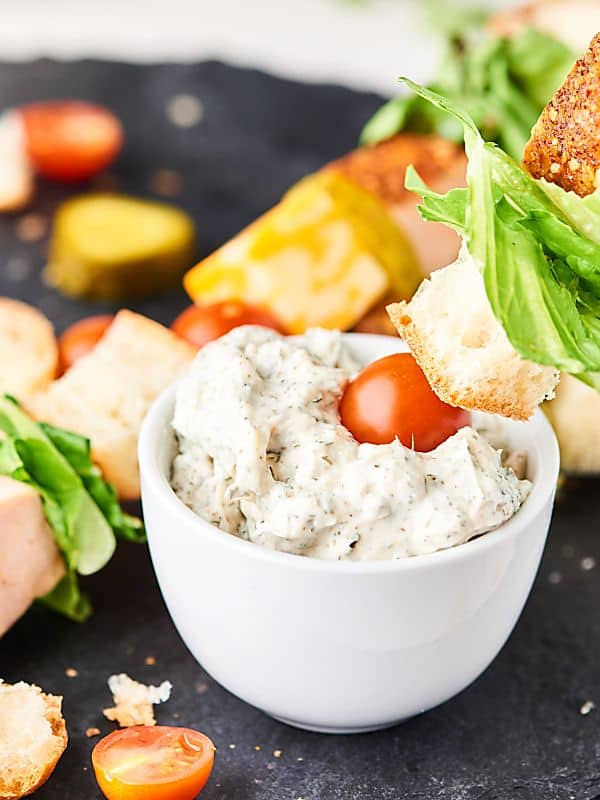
262,455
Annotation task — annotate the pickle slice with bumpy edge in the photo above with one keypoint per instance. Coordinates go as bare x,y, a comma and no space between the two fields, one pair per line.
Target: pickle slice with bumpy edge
323,256
111,247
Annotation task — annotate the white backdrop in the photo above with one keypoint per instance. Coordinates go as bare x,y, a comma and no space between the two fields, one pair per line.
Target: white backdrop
360,43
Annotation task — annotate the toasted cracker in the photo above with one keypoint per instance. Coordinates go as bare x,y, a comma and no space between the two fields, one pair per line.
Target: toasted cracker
565,142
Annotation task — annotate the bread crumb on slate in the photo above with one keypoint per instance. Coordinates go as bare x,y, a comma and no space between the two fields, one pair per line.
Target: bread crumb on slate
71,672
166,182
184,110
134,702
588,706
31,227
91,732
150,661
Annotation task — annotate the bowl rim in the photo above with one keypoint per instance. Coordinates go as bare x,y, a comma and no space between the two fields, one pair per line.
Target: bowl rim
155,481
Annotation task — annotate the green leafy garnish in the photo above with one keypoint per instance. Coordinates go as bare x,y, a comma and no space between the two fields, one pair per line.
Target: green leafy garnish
81,508
502,83
535,245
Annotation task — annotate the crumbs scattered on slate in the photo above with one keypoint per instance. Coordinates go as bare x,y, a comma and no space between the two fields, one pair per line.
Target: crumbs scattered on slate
588,563
588,706
184,110
31,227
166,182
17,269
91,732
555,577
71,672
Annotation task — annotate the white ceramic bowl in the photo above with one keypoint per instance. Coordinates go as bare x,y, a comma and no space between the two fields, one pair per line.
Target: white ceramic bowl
343,646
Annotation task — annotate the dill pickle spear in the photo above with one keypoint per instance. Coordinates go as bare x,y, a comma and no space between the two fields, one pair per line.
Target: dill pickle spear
111,247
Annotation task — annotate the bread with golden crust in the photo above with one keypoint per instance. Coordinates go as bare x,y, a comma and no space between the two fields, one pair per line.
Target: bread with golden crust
575,417
565,142
106,394
464,351
28,348
33,737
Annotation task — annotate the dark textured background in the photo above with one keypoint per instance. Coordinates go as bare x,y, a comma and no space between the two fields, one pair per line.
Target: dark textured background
518,731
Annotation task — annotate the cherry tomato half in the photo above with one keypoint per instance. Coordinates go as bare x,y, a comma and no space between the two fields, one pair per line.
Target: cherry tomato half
71,140
159,763
78,339
392,398
199,325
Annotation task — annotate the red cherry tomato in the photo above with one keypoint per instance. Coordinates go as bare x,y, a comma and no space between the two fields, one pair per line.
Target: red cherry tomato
201,324
392,398
159,763
79,338
71,140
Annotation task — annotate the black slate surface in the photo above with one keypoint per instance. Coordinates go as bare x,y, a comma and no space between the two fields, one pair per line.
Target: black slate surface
518,732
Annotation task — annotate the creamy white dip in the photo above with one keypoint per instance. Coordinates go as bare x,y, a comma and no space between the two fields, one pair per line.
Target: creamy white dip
262,455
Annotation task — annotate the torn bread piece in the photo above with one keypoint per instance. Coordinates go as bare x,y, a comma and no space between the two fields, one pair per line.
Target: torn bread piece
565,142
574,414
134,702
106,394
33,737
464,351
29,349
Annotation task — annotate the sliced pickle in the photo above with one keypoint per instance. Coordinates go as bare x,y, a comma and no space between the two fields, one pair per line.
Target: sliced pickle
111,247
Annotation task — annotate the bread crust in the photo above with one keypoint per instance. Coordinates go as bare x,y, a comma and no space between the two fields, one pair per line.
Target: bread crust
106,394
565,142
28,340
506,404
32,783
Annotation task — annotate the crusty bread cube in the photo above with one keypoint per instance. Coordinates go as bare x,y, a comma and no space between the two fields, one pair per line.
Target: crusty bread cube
28,346
575,416
463,350
106,394
565,142
33,737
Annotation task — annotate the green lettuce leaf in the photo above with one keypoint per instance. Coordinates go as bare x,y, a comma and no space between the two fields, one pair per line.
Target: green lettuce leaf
82,509
503,83
541,270
76,450
67,598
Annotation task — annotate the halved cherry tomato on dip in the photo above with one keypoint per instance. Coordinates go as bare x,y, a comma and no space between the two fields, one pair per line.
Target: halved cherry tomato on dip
71,140
159,763
78,339
392,398
199,325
